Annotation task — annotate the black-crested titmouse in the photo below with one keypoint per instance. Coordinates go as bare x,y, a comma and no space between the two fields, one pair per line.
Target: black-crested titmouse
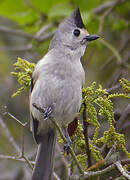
56,87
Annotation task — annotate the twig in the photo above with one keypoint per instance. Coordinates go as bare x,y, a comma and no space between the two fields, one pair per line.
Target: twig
102,7
56,176
28,162
125,161
22,154
98,173
17,48
39,37
85,127
63,137
16,32
114,88
111,151
15,158
46,36
43,30
27,35
11,139
13,117
28,46
101,172
107,12
23,160
105,6
121,169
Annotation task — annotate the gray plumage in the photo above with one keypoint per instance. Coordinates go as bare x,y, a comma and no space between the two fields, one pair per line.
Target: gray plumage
57,82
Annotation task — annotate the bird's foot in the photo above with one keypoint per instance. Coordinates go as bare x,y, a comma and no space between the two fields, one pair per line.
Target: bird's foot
46,111
68,145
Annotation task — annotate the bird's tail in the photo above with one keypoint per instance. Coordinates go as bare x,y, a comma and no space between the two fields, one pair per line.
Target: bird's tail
43,169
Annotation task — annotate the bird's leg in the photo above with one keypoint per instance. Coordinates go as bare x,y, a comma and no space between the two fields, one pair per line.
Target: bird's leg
67,145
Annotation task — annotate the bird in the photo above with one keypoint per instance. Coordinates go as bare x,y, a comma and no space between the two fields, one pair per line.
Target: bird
56,88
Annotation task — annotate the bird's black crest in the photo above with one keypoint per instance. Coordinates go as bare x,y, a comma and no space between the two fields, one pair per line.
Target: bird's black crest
77,19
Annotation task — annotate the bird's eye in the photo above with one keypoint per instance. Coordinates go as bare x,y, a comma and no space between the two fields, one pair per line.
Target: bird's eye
76,32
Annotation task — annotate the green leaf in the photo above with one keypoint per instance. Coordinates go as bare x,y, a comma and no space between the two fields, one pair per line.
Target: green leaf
46,6
123,9
87,5
18,10
42,6
61,10
120,24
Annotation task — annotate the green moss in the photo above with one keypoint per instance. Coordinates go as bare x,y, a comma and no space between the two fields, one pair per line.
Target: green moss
24,74
125,84
95,153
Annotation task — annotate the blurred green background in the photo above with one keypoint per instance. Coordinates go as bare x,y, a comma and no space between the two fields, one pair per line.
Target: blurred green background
105,61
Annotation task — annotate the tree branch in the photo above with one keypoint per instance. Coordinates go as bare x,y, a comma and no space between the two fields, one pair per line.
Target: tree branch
114,88
85,132
17,48
43,30
56,176
23,160
121,169
105,6
21,153
103,171
102,7
36,36
46,36
106,13
15,158
13,117
11,139
111,151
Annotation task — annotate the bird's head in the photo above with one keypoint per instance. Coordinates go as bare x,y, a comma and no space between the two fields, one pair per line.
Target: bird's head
72,34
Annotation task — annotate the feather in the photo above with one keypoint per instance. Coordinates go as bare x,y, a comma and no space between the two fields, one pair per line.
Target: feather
77,19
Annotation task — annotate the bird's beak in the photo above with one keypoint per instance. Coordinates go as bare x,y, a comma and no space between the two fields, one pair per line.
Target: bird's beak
91,37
